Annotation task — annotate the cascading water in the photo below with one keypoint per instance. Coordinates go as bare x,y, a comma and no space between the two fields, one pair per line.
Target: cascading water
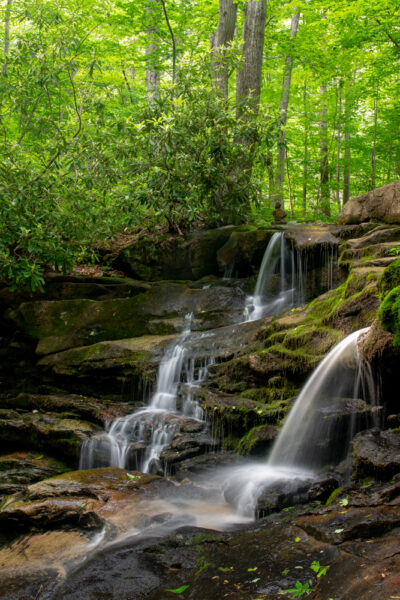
147,432
338,399
338,390
282,279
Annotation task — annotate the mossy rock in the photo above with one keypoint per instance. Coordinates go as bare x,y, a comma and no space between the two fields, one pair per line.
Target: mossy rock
258,440
389,314
390,278
172,257
59,325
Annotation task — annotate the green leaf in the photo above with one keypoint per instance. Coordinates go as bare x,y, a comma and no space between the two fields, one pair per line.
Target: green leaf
179,590
39,457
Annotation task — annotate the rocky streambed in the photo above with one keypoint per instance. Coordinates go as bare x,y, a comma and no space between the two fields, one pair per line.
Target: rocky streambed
87,352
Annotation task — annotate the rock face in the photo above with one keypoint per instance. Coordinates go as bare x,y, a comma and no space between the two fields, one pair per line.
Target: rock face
380,205
376,454
58,325
174,257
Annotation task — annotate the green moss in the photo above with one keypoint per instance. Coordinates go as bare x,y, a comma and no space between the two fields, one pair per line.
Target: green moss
254,439
323,307
390,278
389,314
333,496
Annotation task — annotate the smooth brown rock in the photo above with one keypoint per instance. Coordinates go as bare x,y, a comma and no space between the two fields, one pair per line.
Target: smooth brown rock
379,205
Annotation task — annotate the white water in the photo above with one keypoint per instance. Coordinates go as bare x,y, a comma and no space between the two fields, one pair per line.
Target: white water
282,279
146,432
308,440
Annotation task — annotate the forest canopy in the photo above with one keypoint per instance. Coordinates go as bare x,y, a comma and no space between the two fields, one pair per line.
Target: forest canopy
181,114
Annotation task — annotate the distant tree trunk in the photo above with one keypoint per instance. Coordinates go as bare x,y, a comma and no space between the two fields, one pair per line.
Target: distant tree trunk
373,156
152,49
339,133
323,150
222,36
6,37
283,112
290,189
347,151
173,40
305,159
248,83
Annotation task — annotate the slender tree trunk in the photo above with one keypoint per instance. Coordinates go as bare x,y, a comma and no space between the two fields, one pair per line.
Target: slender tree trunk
373,156
339,133
290,188
248,84
223,35
347,154
173,40
324,156
152,49
6,37
305,158
283,112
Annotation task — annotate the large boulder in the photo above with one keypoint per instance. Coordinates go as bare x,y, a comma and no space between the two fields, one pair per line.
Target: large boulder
119,367
381,204
77,497
189,257
58,325
54,433
376,454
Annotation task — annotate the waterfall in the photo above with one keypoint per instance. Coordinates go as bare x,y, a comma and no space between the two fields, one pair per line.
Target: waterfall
322,421
137,440
338,400
283,276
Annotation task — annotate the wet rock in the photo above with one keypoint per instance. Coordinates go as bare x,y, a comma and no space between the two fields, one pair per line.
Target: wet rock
258,440
75,498
282,494
60,436
109,365
20,469
174,257
243,251
186,446
59,325
307,237
321,490
67,287
379,205
120,366
335,527
235,415
71,405
377,454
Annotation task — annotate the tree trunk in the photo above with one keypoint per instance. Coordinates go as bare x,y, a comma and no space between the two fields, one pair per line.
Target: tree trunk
283,112
305,159
248,84
173,41
373,156
152,49
6,37
223,35
339,133
323,151
347,167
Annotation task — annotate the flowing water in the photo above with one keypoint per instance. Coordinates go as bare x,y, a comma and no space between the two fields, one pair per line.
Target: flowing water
339,399
137,440
283,277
